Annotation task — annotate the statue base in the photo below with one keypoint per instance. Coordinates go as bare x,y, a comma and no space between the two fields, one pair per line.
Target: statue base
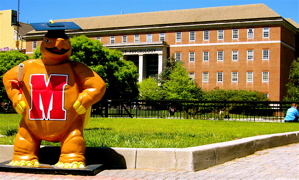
89,170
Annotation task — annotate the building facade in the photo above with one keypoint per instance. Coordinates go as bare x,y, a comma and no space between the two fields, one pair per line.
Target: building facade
247,47
12,32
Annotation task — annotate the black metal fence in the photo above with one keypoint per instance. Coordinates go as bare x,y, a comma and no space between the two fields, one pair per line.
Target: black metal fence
262,111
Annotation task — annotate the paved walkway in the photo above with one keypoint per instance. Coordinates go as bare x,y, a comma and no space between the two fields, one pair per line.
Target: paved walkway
281,163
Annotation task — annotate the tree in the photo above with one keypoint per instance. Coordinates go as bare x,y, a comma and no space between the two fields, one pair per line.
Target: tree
121,76
8,60
150,90
180,86
293,84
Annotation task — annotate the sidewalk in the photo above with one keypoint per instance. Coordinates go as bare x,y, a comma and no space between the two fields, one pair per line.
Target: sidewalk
277,163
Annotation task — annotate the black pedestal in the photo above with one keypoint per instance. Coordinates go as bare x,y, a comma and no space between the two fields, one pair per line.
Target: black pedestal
89,170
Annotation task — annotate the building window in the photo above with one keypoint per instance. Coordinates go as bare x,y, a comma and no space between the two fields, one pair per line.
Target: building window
178,56
265,76
250,54
178,37
98,38
205,77
235,33
124,39
265,54
192,36
250,34
234,76
112,39
235,55
249,76
266,32
205,56
191,56
149,38
220,34
34,44
219,76
220,55
136,38
192,75
162,36
206,35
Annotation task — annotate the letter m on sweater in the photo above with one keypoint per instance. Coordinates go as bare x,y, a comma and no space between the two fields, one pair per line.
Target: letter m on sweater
47,97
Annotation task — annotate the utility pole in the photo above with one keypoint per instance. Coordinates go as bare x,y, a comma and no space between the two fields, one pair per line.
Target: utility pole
18,25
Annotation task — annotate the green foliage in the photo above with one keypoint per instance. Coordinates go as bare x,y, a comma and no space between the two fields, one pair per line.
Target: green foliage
159,133
293,84
120,76
180,86
150,90
8,60
37,54
234,95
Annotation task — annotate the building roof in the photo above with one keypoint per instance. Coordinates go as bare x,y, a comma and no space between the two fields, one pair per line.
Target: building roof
292,22
176,16
224,13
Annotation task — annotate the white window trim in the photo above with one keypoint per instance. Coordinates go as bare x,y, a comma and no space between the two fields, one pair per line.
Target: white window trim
218,55
248,33
263,35
248,55
178,37
180,56
233,30
190,53
218,35
208,35
124,39
112,39
268,57
149,38
34,44
205,77
218,73
236,54
203,56
194,35
162,35
264,78
136,38
247,76
234,77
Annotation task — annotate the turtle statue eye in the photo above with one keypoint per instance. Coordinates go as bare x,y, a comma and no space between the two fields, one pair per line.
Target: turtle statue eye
47,41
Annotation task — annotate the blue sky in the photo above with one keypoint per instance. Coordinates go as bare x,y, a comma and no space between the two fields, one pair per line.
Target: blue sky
32,11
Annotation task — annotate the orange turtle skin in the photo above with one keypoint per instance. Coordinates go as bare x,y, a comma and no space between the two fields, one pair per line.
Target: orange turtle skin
50,87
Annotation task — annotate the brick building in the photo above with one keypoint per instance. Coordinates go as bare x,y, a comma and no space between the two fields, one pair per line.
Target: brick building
247,47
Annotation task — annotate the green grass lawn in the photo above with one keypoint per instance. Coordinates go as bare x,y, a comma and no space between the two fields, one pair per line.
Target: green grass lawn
157,133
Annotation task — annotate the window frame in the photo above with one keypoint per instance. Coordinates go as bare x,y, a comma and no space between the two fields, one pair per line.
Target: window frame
192,35
124,38
149,37
178,54
205,77
250,35
162,37
136,38
234,76
192,56
250,50
249,76
112,39
178,37
203,56
220,54
220,34
266,32
206,35
265,76
265,56
220,77
235,53
235,33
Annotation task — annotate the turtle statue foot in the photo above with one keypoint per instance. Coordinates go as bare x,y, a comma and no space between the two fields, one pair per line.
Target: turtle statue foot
70,165
32,163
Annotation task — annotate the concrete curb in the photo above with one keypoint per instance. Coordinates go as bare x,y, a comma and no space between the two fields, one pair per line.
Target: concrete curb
186,159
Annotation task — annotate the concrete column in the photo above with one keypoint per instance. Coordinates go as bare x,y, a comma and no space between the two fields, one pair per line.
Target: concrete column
140,70
160,63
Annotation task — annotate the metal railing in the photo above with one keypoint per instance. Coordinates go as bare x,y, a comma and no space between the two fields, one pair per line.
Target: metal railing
261,111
